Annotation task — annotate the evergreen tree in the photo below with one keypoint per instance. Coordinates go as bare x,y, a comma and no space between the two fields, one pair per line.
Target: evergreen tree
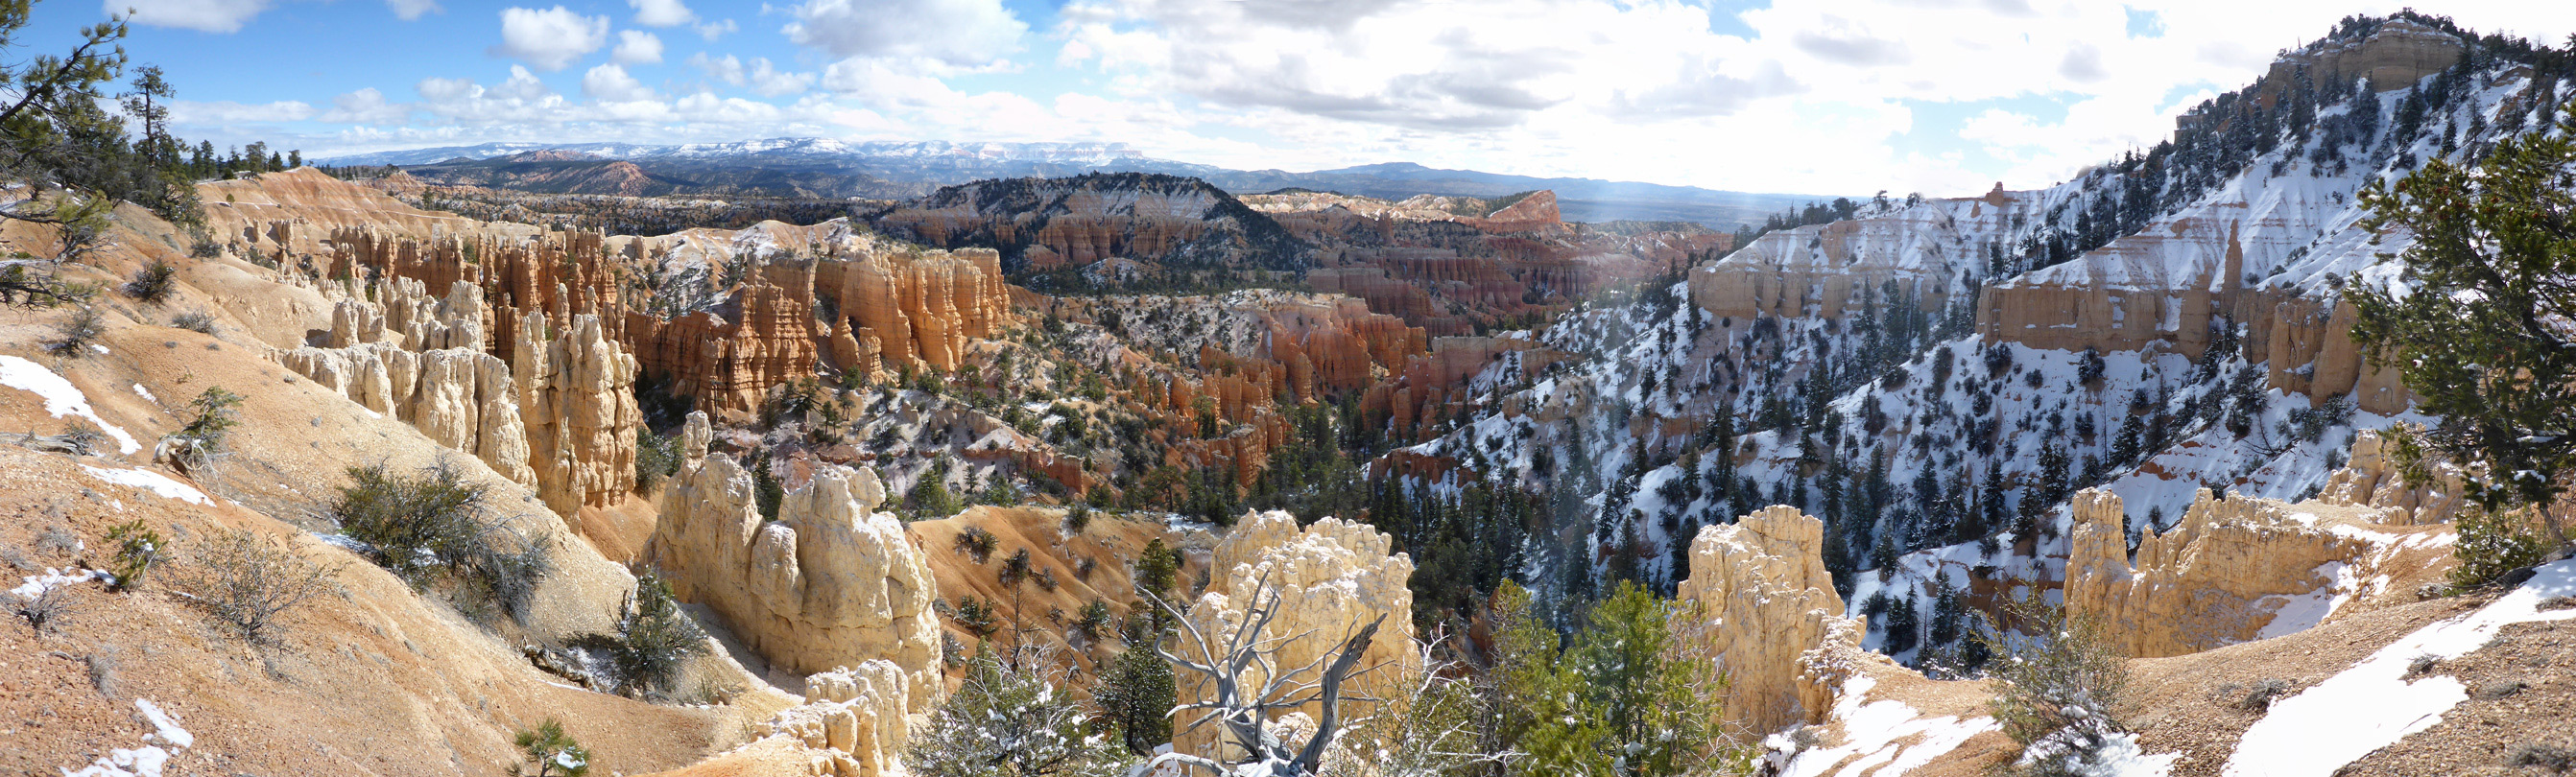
2473,336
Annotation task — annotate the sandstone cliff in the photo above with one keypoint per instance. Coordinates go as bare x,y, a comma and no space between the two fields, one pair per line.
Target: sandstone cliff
1761,605
854,722
576,391
1331,579
831,583
459,397
2370,479
2234,569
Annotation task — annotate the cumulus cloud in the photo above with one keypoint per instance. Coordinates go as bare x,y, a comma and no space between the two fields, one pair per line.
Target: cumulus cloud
727,69
955,33
662,13
366,106
408,10
612,83
201,15
636,47
551,39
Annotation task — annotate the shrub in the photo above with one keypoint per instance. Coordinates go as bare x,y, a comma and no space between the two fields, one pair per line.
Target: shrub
152,284
102,671
977,615
252,582
44,607
654,640
550,752
197,321
428,526
1093,620
204,248
974,541
138,547
2258,697
197,443
1077,519
656,457
2556,759
1008,719
75,334
2493,544
2060,690
1136,694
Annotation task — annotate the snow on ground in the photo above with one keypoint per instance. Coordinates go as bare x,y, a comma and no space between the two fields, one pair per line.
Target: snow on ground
148,760
146,394
2300,613
61,397
36,585
1880,737
2373,705
151,481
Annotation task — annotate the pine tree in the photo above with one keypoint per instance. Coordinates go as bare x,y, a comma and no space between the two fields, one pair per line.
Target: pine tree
2472,339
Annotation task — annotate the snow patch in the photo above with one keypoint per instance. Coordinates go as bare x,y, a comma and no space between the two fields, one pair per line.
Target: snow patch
2372,704
1880,737
61,397
151,481
148,760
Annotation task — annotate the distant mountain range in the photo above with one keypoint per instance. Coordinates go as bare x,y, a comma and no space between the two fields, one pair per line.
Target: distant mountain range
822,167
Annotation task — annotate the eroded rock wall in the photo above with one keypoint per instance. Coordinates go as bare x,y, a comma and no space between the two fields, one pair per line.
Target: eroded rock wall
1760,604
2224,574
576,392
1331,578
2370,479
831,583
855,720
462,398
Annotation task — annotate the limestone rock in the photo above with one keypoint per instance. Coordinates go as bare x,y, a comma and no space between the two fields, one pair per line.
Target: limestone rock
831,583
859,718
1334,577
1761,605
577,393
2222,575
2371,479
461,398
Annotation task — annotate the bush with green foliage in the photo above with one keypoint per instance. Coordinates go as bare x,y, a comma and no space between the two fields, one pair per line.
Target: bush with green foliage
2493,544
428,526
654,641
152,284
2061,690
550,752
138,547
1009,719
1136,693
197,444
2467,329
1622,697
656,457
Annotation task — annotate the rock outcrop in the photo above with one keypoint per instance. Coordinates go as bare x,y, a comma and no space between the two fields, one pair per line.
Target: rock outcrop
2370,479
2234,569
577,393
855,720
831,583
461,398
1760,604
1331,578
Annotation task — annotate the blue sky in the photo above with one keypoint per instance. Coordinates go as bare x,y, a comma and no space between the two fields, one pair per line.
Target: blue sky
1938,96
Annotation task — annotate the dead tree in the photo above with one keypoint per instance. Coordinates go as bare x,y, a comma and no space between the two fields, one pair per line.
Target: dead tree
1248,686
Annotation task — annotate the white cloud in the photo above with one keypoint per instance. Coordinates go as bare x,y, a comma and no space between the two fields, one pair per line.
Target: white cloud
727,70
611,83
201,15
768,80
636,47
716,29
408,10
954,33
662,13
202,114
366,106
551,39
